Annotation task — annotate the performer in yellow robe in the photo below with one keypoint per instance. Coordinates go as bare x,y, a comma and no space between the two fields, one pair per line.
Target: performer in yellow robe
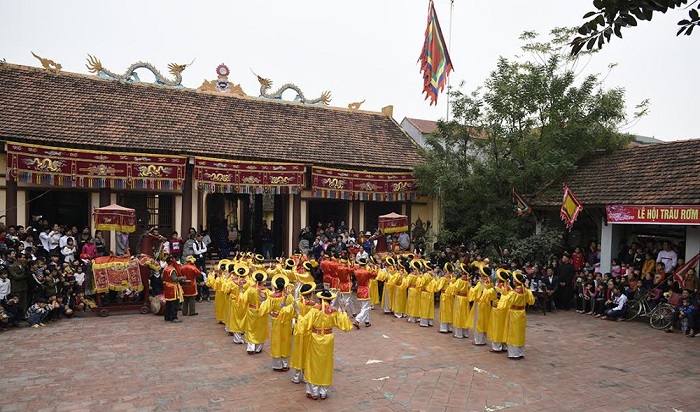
374,297
401,284
516,302
499,313
217,283
300,346
427,297
447,297
386,275
280,306
462,286
415,286
256,332
319,323
475,292
238,283
482,307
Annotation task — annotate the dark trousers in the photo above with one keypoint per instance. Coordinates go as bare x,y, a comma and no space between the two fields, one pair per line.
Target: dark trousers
23,296
203,292
171,309
188,306
35,318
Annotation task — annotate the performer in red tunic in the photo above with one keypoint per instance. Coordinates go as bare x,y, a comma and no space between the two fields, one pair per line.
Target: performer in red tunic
345,286
363,276
172,291
189,290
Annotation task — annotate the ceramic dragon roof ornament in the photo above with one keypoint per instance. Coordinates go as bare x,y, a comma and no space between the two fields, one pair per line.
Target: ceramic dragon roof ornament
266,84
49,64
95,66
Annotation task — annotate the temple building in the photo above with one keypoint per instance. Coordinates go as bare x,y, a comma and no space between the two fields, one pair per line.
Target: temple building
210,158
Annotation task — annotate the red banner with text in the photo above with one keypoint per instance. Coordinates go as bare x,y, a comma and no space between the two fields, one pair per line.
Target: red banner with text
232,176
54,166
355,185
656,214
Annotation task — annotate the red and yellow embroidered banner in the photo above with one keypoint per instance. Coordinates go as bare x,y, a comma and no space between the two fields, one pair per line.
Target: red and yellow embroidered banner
354,185
231,176
116,273
56,166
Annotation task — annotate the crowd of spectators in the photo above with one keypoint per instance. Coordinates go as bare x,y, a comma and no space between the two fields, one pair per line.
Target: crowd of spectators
45,271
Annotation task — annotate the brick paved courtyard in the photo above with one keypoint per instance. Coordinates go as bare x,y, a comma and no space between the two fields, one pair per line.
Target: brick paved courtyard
138,362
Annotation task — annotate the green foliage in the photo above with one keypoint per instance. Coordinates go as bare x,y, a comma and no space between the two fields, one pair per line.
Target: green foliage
529,125
541,248
611,16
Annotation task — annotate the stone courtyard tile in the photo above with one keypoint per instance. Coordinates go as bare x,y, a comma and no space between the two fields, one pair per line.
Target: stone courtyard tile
138,362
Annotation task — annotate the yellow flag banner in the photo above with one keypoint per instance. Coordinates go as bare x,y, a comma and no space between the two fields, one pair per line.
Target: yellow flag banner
570,208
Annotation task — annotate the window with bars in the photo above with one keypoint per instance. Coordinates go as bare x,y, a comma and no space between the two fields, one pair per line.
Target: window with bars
151,210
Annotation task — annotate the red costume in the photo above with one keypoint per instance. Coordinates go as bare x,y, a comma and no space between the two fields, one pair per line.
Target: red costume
190,272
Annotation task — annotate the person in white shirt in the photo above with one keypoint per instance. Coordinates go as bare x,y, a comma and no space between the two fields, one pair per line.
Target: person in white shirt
63,241
618,305
55,241
362,254
5,285
45,239
668,257
69,251
200,252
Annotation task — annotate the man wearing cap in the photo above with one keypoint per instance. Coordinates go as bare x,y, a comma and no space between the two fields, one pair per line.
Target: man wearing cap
172,291
256,320
344,272
462,286
484,295
280,307
189,289
363,276
499,313
319,323
516,302
300,347
447,297
237,284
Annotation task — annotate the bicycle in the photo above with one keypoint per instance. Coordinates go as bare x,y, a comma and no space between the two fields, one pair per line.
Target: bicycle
661,317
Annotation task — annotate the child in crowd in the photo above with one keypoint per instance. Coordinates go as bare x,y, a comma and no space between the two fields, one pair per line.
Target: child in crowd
616,269
590,293
578,293
600,298
37,313
685,311
5,284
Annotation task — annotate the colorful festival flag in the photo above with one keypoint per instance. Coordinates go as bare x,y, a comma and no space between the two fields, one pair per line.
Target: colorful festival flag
521,206
570,208
434,59
679,274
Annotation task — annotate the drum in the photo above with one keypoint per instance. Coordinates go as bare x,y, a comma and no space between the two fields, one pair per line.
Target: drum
158,305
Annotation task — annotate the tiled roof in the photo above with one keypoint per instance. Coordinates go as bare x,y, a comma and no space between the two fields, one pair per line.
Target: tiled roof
659,174
423,126
82,111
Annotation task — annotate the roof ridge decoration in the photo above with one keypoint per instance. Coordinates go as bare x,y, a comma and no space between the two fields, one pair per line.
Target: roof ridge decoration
49,64
355,106
221,84
95,66
266,84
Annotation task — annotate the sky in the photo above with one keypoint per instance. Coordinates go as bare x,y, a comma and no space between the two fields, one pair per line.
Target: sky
358,50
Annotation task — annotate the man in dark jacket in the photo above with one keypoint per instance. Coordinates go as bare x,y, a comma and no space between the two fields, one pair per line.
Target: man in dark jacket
565,272
18,277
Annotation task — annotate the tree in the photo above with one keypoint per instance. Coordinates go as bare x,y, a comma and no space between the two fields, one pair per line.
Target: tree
528,125
611,16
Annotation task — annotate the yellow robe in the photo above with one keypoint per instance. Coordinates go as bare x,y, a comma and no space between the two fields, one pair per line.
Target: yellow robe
447,298
301,341
415,286
517,319
256,320
281,311
427,297
499,314
373,292
219,304
461,311
474,296
488,295
237,310
319,323
400,293
389,287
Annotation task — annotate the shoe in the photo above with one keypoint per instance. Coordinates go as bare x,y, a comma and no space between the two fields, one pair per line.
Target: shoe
691,335
194,314
356,324
323,397
478,344
250,352
620,319
42,324
495,351
285,369
176,321
516,358
230,333
669,330
35,326
367,324
603,317
597,315
308,395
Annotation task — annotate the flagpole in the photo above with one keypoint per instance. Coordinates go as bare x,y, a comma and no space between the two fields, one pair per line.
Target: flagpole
449,44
